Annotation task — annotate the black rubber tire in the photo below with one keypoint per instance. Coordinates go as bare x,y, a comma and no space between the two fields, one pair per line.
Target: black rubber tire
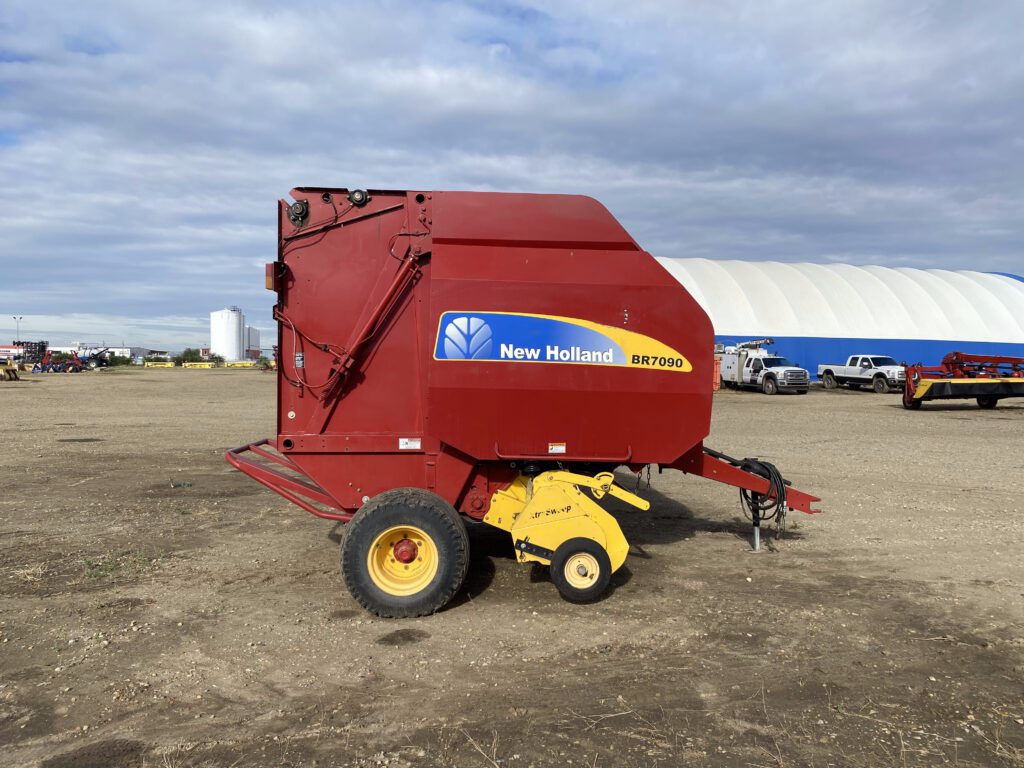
601,580
880,385
405,506
912,405
829,380
770,386
987,402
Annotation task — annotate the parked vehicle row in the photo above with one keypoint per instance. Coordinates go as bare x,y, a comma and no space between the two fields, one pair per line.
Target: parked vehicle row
985,378
749,365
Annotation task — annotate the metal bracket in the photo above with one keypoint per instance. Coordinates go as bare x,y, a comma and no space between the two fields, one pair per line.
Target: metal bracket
533,549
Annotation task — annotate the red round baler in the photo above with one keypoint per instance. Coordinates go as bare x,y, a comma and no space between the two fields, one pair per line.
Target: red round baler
492,356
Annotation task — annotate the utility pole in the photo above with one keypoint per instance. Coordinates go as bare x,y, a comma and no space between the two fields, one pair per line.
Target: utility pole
17,325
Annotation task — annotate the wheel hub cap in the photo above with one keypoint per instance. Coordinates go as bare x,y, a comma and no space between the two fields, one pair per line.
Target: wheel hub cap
406,551
581,570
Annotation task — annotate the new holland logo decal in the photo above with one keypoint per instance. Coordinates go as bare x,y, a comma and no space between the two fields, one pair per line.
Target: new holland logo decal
526,338
467,338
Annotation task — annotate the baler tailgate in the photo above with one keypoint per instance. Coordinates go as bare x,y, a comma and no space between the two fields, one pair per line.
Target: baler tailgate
297,487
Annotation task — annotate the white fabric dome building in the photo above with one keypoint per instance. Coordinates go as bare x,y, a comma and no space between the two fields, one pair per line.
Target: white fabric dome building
823,313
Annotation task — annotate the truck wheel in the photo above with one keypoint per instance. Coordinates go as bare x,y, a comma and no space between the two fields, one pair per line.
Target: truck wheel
987,401
405,553
880,385
581,570
769,386
829,380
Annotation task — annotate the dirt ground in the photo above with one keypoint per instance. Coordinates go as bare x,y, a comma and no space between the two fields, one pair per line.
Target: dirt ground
160,609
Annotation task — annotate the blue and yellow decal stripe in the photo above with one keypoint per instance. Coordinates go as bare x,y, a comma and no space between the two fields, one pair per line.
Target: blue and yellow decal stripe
533,338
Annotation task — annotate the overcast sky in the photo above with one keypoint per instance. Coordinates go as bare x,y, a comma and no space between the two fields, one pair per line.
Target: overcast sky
143,145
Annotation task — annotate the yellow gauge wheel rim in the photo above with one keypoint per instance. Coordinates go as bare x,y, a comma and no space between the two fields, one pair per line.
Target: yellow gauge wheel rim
402,560
581,570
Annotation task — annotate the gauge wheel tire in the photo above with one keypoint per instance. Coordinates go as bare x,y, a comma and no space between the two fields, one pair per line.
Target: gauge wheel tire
987,401
913,405
770,386
829,381
581,570
880,385
404,554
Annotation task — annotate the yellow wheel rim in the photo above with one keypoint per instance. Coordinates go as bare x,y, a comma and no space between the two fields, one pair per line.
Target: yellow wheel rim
402,560
581,570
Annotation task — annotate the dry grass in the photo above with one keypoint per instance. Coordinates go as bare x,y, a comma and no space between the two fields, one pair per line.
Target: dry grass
31,574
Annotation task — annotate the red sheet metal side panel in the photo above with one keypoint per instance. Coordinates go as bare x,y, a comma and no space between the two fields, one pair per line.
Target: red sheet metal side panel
566,257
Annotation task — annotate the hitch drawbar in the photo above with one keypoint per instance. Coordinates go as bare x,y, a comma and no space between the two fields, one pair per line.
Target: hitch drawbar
766,496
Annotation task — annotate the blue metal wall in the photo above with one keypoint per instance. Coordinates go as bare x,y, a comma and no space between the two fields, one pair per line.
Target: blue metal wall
809,352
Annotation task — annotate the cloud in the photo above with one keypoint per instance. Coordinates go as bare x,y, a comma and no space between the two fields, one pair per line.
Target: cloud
142,147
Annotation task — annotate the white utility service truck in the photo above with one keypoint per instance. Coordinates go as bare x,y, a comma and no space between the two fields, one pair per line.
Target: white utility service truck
880,372
748,366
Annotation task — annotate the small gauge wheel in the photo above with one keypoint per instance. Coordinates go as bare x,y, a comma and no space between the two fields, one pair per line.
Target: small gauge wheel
581,570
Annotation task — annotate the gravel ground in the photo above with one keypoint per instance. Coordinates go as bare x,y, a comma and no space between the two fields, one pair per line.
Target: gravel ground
159,609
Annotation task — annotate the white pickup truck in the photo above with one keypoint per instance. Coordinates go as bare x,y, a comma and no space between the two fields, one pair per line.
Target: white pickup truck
879,372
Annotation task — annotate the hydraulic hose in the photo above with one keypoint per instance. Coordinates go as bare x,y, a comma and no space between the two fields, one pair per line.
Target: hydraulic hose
770,506
759,507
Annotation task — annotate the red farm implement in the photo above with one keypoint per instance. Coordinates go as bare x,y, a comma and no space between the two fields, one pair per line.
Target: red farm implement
448,356
987,379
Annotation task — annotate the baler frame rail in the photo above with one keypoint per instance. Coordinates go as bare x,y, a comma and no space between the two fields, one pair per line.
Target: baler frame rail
301,491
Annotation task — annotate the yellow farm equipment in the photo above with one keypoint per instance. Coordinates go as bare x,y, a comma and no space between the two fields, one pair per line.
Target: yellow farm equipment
554,521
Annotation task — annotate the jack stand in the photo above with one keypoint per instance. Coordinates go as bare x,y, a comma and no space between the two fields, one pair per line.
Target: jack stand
757,533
